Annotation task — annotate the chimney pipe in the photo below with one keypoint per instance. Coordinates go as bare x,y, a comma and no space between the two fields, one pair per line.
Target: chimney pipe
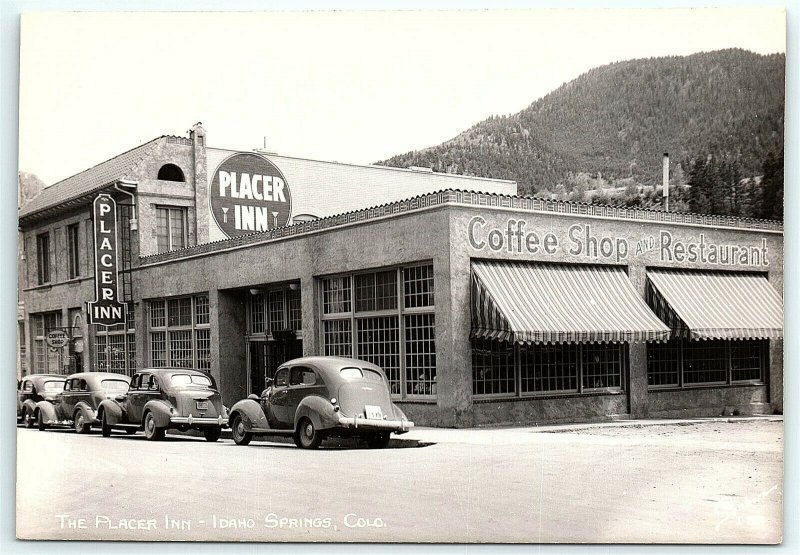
665,180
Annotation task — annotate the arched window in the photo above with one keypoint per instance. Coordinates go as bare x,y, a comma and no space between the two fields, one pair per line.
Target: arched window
171,172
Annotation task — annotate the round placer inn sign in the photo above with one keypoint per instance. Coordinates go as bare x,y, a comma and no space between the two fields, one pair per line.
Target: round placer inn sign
249,193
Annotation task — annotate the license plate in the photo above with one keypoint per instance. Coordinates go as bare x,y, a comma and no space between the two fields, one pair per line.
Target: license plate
373,412
202,405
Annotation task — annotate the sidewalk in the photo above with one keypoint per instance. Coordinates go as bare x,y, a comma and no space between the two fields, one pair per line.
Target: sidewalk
507,434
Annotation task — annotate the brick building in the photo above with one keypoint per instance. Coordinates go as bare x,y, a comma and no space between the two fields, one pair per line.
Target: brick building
482,307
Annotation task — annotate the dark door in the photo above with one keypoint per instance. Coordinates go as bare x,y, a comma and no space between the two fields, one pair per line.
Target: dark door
303,382
267,356
276,400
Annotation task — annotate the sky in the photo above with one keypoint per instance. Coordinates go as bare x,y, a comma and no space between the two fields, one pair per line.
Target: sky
353,87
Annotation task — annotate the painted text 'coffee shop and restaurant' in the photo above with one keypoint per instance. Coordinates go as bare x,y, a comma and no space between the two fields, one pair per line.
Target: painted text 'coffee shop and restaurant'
482,307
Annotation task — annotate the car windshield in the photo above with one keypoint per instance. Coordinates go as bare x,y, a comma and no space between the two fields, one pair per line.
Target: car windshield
189,379
114,386
53,385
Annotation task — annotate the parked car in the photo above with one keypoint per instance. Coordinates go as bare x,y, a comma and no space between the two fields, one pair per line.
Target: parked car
32,389
77,403
315,397
163,398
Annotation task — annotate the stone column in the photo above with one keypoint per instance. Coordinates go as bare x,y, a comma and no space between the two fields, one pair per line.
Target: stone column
227,313
637,355
198,135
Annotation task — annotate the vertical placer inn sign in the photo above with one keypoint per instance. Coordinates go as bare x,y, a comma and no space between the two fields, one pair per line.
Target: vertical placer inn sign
106,309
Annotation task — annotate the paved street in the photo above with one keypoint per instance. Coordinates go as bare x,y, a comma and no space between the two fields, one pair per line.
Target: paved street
714,481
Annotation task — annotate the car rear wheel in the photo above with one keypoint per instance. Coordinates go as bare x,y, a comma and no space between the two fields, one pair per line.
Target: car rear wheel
105,429
151,431
27,418
40,422
80,423
378,440
212,434
307,436
240,435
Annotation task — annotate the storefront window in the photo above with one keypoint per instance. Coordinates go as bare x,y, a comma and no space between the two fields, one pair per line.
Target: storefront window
45,360
180,336
492,367
392,324
549,368
115,346
711,362
546,369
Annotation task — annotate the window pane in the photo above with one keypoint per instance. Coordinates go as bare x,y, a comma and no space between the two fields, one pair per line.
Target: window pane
365,292
201,309
295,309
177,225
492,367
257,313
158,349
379,343
180,311
377,291
336,295
747,360
157,315
418,286
43,257
72,250
162,229
663,363
203,337
338,338
549,368
705,361
276,313
180,349
131,353
117,355
420,354
602,366
102,356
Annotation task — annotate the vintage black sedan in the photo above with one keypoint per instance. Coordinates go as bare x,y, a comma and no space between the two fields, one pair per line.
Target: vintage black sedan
162,398
76,404
32,389
315,397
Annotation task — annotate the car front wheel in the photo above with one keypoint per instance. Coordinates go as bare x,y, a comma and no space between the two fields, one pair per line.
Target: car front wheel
212,434
105,429
40,422
307,436
151,431
80,423
240,435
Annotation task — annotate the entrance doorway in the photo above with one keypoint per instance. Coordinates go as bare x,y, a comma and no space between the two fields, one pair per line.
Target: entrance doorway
266,356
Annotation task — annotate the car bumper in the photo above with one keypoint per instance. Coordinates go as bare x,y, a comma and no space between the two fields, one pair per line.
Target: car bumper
398,426
198,421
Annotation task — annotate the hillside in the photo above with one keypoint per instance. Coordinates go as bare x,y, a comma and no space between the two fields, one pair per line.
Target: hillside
617,121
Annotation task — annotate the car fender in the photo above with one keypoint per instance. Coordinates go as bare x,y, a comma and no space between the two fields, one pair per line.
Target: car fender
47,410
160,410
30,405
113,411
252,415
88,412
319,410
398,413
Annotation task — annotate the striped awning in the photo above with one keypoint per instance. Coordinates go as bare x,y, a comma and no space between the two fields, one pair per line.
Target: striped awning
544,303
716,305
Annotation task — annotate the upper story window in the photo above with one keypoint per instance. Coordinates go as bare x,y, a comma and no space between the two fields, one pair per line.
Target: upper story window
171,172
73,252
170,228
43,257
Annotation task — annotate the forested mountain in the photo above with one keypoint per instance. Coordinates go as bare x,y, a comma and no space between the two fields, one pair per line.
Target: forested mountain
29,186
609,127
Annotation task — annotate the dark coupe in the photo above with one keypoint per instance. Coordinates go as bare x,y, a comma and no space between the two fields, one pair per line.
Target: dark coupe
76,405
163,398
32,389
315,397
